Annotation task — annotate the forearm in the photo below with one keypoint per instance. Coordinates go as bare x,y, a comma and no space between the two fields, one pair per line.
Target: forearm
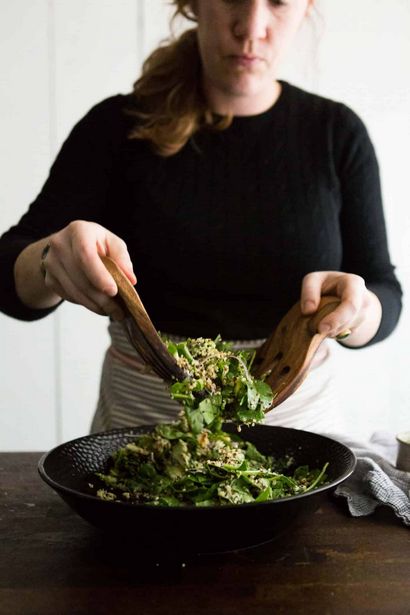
29,281
390,296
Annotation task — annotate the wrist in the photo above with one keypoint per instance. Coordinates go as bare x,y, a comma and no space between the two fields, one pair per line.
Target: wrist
29,278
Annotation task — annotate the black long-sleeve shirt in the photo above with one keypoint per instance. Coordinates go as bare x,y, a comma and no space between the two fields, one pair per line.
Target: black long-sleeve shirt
222,233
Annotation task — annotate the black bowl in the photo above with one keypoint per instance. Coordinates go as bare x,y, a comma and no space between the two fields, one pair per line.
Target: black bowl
70,467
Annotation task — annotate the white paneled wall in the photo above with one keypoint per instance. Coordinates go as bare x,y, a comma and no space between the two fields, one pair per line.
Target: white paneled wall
27,352
97,54
60,57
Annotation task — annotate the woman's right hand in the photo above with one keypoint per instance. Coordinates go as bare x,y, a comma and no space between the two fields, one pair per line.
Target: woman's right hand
74,271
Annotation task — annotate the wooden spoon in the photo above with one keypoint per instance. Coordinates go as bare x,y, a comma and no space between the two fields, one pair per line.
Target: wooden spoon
140,330
283,361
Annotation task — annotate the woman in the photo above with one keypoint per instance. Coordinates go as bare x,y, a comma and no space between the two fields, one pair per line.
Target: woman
233,193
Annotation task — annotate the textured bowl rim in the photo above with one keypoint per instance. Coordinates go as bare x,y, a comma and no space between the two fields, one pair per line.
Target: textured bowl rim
189,507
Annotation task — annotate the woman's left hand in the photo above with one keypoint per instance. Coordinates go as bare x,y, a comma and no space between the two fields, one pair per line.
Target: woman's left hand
360,310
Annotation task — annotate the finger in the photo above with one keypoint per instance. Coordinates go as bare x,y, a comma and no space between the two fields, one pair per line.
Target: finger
83,285
88,246
311,291
116,248
351,289
54,284
106,305
87,260
88,297
79,289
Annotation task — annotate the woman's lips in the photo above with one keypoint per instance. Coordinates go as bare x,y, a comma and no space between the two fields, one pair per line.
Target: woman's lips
245,60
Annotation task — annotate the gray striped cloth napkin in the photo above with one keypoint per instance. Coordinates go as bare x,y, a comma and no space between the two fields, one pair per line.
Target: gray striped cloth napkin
375,481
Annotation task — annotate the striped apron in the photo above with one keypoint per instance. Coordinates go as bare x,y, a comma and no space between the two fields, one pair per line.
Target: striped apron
130,394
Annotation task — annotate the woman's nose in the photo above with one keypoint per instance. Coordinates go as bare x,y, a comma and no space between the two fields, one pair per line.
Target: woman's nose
251,21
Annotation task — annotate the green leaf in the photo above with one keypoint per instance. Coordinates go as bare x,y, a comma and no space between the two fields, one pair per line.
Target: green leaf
180,453
265,392
252,396
172,349
169,431
196,420
173,470
208,410
206,503
246,415
147,470
251,452
264,495
169,500
183,350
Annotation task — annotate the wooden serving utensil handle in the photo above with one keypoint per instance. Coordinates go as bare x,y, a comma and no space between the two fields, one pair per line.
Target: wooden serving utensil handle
140,329
283,361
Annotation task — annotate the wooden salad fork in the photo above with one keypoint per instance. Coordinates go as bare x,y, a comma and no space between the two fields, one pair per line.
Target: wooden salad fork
283,361
140,330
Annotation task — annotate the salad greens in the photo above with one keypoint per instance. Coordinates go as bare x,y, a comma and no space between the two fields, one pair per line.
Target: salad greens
193,461
221,387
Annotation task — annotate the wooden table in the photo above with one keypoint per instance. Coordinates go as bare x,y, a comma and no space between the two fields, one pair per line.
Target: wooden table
53,563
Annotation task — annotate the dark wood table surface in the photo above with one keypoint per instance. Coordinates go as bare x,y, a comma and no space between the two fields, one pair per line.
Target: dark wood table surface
52,562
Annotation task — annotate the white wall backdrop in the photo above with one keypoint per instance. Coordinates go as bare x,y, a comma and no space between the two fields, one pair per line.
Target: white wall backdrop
57,59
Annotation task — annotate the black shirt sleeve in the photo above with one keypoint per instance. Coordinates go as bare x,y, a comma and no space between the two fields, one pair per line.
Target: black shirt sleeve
76,189
363,229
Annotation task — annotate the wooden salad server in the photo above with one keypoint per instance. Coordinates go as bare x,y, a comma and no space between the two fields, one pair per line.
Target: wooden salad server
140,330
283,361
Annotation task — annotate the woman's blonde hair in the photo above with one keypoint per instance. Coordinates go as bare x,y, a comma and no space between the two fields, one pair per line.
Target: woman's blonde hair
169,102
